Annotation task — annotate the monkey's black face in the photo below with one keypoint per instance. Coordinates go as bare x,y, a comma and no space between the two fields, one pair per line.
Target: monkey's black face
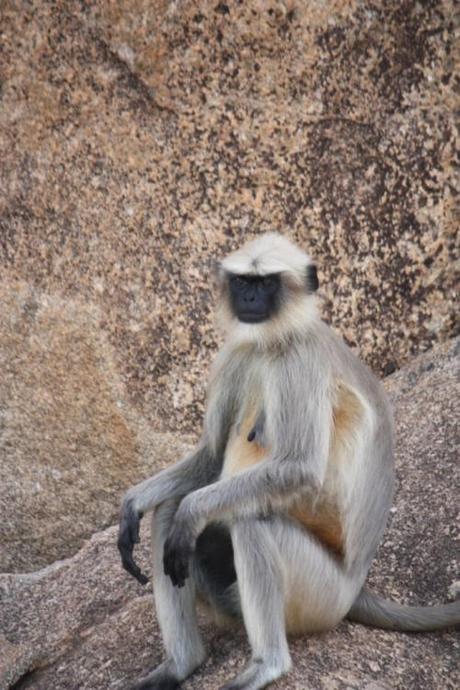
254,298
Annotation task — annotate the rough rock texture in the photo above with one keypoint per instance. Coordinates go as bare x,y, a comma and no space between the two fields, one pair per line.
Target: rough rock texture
69,443
83,623
140,140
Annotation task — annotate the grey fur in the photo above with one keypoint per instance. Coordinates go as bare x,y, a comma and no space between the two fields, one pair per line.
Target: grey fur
325,424
370,609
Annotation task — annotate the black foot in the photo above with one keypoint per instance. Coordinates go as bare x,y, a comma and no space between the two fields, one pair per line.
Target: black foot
166,683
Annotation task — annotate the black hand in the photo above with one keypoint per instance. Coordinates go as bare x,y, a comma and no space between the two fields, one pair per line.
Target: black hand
128,535
176,555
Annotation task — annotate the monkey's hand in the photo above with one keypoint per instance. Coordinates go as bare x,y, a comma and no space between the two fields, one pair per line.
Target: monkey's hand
178,548
128,536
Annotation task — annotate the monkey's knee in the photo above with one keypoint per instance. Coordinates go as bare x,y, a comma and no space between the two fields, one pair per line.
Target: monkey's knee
257,555
255,534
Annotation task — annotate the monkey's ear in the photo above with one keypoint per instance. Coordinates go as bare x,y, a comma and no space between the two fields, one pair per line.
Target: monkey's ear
312,278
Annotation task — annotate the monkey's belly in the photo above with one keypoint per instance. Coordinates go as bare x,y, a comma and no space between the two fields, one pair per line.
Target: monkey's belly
241,454
323,521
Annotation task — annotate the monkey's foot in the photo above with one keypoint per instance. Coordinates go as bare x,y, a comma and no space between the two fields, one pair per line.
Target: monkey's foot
158,683
166,676
258,675
161,678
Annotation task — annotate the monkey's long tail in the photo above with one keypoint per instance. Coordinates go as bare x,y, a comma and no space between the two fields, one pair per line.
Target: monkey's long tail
371,609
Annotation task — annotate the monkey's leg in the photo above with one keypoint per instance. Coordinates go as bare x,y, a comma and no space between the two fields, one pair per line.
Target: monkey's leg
261,582
176,614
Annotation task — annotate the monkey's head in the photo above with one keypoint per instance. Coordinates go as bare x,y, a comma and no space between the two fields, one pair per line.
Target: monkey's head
267,290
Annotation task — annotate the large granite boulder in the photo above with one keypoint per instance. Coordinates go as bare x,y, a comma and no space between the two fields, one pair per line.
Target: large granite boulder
84,623
141,140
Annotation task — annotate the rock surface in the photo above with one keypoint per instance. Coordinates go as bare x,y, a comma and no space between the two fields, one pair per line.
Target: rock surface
83,623
140,140
69,442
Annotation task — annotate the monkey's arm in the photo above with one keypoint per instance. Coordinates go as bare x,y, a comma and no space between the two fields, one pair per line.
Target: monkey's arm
256,491
201,467
174,482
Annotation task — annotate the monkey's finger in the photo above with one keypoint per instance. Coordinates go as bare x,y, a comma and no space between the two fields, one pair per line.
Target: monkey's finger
168,567
133,569
125,547
173,567
178,575
143,579
179,571
168,556
182,573
179,583
177,579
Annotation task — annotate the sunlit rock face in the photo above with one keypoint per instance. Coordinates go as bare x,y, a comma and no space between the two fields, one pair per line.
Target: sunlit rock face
141,141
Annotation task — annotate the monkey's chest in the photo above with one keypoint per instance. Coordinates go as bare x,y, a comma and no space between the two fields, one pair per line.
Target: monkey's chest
246,444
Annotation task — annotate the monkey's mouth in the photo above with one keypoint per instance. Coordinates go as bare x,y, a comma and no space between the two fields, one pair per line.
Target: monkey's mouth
252,317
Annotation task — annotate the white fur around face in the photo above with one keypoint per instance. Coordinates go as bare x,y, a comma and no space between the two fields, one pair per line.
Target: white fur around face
271,253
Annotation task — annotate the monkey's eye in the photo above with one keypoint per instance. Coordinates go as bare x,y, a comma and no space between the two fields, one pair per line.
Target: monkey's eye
238,281
268,281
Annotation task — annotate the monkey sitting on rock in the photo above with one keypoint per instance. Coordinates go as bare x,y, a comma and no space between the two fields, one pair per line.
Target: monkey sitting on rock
276,515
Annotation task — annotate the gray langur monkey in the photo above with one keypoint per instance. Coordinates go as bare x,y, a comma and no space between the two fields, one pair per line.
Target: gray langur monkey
276,515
